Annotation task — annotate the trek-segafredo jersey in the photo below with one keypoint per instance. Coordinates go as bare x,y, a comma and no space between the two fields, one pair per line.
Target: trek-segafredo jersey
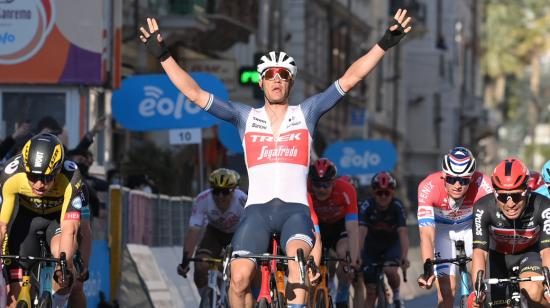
436,208
277,165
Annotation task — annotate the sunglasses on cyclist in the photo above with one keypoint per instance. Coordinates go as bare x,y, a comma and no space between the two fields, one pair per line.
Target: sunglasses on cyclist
516,197
325,184
453,179
41,177
283,73
221,191
383,193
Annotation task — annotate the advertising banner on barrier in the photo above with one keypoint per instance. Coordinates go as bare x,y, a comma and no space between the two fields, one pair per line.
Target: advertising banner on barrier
99,268
59,41
362,156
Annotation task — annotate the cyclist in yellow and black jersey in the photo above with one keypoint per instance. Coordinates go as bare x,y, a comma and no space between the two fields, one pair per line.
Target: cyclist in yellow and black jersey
46,193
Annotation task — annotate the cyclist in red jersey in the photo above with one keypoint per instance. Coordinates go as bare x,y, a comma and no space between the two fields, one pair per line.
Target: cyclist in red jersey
335,202
511,229
535,180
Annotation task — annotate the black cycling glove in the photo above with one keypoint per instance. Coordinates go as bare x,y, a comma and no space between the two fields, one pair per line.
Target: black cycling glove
156,48
392,38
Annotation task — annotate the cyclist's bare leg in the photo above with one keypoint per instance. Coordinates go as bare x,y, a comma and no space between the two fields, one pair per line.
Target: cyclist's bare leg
77,297
239,289
201,271
446,290
533,290
295,291
13,290
371,295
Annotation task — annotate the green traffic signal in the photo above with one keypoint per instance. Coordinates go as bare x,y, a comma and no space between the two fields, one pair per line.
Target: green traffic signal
249,76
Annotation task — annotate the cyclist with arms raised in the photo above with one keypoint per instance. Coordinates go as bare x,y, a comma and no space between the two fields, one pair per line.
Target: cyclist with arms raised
219,209
511,228
445,213
335,202
383,230
277,141
49,193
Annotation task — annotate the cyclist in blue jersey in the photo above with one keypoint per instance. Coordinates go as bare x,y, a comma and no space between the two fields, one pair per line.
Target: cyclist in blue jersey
545,188
277,140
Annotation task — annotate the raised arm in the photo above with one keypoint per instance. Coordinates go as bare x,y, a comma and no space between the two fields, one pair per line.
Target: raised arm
179,77
360,68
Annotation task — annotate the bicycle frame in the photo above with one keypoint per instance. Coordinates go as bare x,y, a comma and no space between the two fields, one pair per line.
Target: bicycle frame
219,293
269,285
321,287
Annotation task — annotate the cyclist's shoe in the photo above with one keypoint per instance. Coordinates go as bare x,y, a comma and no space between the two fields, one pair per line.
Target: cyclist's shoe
398,304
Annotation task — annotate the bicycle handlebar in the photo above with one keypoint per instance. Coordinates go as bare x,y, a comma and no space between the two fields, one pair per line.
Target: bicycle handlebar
62,261
300,258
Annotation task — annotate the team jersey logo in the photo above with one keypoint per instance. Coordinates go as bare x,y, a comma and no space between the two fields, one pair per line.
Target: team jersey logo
290,147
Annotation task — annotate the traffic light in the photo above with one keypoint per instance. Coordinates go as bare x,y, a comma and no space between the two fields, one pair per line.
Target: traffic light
248,76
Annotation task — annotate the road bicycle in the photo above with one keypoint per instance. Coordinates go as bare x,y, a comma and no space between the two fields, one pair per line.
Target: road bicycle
461,260
381,294
320,294
514,297
272,282
36,287
215,294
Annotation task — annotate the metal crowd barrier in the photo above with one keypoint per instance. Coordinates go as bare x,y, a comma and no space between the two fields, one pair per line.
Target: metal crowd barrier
137,217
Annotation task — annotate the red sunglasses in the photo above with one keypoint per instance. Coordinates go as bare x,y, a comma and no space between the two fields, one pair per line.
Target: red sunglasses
283,73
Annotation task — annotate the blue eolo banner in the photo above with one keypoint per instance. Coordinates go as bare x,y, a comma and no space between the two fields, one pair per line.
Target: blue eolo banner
152,102
362,156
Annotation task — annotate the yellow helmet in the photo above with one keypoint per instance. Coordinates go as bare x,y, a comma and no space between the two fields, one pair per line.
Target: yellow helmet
223,178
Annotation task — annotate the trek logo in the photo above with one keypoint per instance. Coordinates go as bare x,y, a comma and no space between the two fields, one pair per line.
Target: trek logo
291,148
477,221
6,38
270,138
39,159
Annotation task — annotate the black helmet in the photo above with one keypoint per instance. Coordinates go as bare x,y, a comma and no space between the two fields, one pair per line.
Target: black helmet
43,155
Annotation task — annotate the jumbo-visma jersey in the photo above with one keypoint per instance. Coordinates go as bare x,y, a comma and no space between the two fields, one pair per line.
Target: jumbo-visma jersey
277,165
64,197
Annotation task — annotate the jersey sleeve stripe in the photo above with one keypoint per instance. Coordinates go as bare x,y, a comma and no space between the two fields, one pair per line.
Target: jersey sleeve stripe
209,104
342,92
426,222
352,217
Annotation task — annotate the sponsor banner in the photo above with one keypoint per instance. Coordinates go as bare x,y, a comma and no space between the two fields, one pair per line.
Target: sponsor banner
362,156
99,269
152,102
54,41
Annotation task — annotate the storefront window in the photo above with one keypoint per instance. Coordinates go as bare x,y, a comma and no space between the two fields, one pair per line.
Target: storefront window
19,107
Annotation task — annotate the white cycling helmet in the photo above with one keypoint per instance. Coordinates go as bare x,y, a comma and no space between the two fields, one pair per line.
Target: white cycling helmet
459,162
277,59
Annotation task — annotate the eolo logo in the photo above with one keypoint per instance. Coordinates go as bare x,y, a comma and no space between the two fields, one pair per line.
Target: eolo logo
24,27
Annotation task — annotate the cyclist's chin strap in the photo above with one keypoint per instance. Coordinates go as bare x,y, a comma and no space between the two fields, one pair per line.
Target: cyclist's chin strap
59,300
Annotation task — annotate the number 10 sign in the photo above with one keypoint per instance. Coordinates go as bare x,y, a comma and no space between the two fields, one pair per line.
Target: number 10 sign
186,136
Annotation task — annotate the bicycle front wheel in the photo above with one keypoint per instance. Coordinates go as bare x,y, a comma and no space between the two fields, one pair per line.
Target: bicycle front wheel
45,300
206,299
279,301
262,304
381,301
22,304
320,300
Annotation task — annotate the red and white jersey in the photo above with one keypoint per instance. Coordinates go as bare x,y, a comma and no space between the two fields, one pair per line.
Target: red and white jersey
342,203
436,207
277,157
206,212
277,164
